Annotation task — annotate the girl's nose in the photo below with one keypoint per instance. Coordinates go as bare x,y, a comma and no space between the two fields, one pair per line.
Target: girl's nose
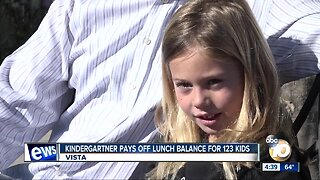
200,98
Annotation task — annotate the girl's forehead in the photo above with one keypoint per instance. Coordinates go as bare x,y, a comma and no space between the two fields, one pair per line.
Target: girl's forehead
191,52
203,52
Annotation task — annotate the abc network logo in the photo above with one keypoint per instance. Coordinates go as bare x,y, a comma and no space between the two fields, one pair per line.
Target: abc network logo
279,149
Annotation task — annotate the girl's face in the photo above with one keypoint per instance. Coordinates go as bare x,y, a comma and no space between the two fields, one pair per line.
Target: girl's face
209,90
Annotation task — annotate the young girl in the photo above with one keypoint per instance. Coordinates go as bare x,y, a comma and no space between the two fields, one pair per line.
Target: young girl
220,85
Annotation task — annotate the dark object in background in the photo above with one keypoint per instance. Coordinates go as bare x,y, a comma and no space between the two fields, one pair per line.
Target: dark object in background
19,19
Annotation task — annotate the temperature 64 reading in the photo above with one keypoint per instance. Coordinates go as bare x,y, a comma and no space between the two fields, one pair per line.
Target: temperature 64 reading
290,167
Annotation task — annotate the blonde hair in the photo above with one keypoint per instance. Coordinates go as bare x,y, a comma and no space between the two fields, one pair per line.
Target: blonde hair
225,28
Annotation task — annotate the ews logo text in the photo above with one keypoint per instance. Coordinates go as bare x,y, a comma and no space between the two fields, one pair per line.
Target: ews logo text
40,152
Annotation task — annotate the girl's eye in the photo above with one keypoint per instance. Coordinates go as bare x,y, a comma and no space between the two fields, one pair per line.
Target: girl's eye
214,81
183,84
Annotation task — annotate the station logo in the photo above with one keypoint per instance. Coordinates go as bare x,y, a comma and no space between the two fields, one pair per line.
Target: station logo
279,149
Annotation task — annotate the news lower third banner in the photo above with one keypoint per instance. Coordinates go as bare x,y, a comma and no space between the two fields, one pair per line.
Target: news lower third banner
73,152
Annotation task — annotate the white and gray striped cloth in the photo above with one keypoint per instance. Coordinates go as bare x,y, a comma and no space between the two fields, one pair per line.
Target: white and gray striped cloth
93,69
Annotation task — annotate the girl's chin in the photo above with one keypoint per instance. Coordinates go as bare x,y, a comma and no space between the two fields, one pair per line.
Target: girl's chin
210,132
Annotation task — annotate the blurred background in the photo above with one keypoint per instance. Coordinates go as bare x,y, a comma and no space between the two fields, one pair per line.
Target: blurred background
19,19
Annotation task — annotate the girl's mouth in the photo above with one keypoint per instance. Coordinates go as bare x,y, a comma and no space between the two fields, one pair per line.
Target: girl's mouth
208,120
